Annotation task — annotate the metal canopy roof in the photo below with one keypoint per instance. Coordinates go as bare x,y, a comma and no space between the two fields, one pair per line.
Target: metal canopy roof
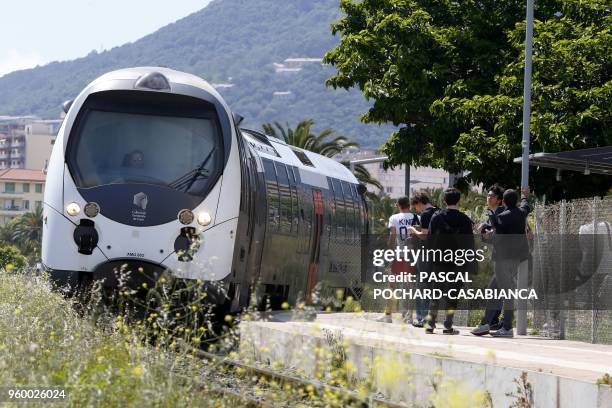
595,160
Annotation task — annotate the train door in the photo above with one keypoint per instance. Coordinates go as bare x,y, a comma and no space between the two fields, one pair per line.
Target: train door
315,248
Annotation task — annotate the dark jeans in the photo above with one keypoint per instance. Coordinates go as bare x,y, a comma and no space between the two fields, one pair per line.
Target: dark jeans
449,304
491,317
422,305
506,272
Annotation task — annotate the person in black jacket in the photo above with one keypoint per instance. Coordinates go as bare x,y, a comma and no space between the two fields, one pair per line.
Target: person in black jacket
449,229
510,248
426,210
495,203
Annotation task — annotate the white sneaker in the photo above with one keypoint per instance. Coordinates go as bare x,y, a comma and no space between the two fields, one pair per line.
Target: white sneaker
503,333
481,330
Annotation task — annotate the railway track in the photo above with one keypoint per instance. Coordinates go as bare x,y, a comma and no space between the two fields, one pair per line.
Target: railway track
317,390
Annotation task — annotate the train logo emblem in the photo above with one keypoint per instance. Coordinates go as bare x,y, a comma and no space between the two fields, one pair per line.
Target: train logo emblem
141,200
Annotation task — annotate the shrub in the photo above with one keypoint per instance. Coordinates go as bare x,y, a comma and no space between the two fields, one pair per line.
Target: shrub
11,258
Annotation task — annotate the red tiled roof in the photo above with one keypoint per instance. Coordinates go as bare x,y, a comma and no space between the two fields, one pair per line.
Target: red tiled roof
22,174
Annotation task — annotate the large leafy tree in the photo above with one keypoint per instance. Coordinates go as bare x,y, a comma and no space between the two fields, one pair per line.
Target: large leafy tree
303,137
449,76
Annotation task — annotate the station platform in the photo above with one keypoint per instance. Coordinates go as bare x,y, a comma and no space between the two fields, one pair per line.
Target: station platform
407,365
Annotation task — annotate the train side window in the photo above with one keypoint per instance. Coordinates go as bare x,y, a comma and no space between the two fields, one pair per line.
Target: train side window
272,194
285,198
350,212
332,209
340,218
294,200
358,214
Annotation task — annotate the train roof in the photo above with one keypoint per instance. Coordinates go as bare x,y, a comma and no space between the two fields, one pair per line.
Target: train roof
309,163
172,75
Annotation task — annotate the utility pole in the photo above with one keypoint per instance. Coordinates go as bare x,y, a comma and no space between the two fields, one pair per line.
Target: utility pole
407,181
521,316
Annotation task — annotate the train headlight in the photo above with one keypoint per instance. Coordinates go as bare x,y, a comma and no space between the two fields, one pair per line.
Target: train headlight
204,218
73,209
91,209
185,217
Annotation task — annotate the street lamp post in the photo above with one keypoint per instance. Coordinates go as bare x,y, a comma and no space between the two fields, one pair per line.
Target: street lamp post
521,316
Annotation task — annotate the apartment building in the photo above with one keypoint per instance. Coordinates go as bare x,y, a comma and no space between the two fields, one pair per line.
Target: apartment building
21,191
393,180
26,142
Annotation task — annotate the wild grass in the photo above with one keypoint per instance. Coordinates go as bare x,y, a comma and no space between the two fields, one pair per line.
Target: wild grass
134,351
45,342
141,349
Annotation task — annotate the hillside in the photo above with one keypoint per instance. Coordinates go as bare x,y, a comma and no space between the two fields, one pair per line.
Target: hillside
229,41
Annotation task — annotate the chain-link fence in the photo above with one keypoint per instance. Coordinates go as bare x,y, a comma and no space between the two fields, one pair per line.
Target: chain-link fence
587,221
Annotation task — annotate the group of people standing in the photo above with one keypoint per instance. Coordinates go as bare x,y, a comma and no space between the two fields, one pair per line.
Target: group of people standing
420,222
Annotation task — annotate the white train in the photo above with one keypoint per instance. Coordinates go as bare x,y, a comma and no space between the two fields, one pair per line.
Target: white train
151,170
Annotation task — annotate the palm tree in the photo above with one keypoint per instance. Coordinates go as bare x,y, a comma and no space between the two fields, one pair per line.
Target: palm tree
381,209
363,175
7,231
27,231
303,138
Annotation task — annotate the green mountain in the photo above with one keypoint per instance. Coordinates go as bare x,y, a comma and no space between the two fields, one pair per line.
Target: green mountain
229,41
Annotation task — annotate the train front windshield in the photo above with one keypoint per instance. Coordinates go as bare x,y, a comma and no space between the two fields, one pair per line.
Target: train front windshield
173,145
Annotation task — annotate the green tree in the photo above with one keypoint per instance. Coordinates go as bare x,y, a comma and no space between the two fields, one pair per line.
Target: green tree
29,226
27,232
364,177
303,137
473,203
381,209
449,75
7,231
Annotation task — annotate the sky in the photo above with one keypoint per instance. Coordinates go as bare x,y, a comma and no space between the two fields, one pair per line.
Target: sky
36,32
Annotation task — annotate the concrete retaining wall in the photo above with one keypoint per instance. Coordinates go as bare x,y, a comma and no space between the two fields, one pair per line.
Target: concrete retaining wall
412,377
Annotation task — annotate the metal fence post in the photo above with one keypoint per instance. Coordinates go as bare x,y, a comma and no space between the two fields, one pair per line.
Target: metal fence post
591,283
562,300
521,316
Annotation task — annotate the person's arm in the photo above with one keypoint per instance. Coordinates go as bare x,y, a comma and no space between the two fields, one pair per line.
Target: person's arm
524,206
419,233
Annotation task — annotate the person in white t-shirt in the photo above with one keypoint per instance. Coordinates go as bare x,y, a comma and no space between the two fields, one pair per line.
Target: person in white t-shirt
400,223
400,236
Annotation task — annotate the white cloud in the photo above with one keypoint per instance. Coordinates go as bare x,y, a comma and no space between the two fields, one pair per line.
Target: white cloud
13,60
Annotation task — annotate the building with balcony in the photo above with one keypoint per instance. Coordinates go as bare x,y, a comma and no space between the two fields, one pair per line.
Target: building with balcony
21,191
26,142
